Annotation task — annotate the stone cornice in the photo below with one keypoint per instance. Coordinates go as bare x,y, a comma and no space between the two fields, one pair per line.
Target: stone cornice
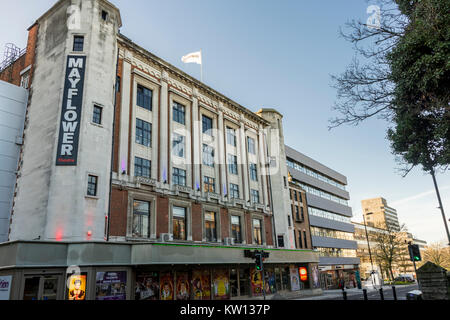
172,70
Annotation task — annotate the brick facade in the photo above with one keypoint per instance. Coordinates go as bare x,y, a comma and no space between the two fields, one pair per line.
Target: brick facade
118,217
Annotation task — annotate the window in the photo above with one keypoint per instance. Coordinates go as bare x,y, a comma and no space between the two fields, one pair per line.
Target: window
255,196
208,155
295,196
304,238
234,191
251,145
209,184
178,145
236,229
281,241
143,133
300,244
210,226
257,232
92,186
24,80
141,219
179,113
144,97
302,213
232,164
142,167
253,172
104,15
179,223
297,214
231,136
78,43
179,177
118,84
97,115
207,125
289,220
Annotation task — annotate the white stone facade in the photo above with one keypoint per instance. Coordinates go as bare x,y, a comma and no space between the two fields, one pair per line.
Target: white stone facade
52,202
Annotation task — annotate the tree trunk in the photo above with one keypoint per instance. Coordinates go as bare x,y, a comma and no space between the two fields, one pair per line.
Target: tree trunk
440,204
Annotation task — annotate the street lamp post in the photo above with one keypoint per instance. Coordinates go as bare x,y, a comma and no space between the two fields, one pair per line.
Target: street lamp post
440,205
370,253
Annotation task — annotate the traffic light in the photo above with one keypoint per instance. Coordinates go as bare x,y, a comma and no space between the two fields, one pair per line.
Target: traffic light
258,261
414,252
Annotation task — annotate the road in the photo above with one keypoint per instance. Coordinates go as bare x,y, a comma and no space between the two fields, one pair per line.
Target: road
355,294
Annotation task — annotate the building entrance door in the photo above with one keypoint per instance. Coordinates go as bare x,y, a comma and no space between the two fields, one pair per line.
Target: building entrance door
41,287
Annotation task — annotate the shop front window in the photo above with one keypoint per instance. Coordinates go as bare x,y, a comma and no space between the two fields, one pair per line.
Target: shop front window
278,280
244,282
286,279
31,290
234,282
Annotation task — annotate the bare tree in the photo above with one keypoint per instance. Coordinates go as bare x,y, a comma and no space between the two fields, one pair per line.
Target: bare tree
389,247
365,89
438,254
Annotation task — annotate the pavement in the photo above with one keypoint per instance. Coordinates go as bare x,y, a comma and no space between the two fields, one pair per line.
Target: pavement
372,294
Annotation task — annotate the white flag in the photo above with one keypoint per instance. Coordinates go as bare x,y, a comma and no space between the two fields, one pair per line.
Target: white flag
194,57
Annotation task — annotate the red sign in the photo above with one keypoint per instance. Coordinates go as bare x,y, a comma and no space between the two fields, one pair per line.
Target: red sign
303,273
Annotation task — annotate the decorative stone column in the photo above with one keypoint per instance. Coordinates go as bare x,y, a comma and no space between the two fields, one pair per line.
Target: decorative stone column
196,140
165,149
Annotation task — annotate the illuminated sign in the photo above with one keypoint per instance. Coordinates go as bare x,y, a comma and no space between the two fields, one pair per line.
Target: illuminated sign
303,273
77,287
69,130
5,287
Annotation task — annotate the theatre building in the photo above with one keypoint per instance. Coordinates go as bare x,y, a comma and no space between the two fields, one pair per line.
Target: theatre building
137,181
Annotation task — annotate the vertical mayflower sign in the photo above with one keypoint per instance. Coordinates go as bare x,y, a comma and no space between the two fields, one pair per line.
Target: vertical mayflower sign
71,112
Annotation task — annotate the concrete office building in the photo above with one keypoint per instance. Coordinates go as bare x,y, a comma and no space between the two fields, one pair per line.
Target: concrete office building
378,214
138,176
368,258
329,218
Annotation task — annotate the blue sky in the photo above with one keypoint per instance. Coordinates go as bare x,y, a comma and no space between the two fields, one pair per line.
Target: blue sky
277,54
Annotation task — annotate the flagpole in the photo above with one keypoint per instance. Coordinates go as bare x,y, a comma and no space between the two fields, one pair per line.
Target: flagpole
201,67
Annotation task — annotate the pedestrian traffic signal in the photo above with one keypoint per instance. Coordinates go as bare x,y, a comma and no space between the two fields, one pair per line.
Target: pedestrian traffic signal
414,252
258,261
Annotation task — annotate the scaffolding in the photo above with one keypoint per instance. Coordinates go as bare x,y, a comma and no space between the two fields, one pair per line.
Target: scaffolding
11,54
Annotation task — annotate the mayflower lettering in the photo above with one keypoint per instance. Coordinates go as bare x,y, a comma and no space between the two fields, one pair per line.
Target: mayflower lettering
71,112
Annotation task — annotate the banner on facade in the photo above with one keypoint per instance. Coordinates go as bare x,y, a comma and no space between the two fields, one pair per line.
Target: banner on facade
315,276
111,285
201,285
166,286
69,130
5,287
77,287
183,286
256,282
295,280
147,286
221,284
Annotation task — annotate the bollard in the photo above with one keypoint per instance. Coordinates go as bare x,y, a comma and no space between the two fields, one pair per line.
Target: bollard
381,294
394,292
365,294
344,293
